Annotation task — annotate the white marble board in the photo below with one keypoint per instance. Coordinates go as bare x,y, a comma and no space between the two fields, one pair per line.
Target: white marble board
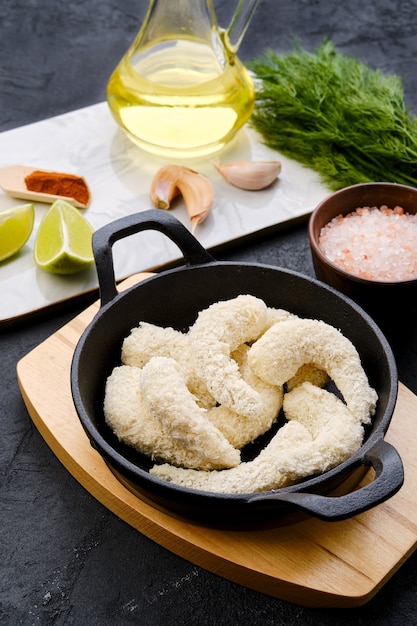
88,142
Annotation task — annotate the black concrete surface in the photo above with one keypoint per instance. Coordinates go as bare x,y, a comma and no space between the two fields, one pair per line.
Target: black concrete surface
65,559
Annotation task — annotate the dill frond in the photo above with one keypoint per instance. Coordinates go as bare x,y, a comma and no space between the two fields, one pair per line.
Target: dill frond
334,114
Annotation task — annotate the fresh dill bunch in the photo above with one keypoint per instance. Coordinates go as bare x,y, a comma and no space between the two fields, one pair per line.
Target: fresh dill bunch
335,115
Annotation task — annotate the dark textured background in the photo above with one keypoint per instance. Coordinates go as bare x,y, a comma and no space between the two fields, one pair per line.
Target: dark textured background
64,559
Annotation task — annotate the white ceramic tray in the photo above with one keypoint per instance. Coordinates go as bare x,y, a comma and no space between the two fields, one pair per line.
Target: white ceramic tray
88,142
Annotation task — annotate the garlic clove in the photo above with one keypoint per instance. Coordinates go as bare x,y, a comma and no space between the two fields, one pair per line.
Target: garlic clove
198,194
196,190
250,175
164,185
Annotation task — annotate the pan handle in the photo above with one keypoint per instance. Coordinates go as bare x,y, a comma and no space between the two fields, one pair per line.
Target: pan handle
385,460
154,219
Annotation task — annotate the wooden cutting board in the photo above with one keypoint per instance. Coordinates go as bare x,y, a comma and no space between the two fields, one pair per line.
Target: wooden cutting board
312,563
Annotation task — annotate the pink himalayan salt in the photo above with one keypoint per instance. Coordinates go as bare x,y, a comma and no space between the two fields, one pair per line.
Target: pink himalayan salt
375,244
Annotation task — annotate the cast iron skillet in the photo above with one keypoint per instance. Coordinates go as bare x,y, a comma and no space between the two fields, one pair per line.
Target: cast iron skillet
174,298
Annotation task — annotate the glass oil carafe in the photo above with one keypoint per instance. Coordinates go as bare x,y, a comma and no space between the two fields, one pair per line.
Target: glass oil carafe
180,89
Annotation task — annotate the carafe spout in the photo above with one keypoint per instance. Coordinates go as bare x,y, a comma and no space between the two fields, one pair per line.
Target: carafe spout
240,22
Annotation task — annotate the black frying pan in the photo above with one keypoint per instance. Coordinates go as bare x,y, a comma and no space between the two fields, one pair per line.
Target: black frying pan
174,298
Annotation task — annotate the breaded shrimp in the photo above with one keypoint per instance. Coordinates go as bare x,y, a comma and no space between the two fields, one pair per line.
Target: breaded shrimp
240,430
307,371
336,434
286,346
149,340
217,332
127,415
261,474
170,402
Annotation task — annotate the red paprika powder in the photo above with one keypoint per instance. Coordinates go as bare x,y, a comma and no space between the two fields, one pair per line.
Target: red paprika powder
67,185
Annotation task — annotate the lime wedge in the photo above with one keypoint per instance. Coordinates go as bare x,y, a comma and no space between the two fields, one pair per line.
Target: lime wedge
63,240
16,225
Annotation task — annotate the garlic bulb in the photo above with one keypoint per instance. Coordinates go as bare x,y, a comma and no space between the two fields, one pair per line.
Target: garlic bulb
250,175
196,190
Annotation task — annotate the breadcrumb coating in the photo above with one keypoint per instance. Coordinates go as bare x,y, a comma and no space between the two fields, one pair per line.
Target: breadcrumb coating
148,340
128,416
336,434
218,330
285,347
239,429
261,474
181,419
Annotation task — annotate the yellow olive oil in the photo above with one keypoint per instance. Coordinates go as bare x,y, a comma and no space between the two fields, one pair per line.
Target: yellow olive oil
177,99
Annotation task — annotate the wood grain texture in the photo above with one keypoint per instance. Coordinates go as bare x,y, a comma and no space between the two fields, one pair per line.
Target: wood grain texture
312,563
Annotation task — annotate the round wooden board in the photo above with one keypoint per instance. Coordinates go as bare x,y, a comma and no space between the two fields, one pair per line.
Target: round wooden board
312,563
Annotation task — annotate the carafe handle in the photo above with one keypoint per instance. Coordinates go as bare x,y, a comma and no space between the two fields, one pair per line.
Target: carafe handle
240,22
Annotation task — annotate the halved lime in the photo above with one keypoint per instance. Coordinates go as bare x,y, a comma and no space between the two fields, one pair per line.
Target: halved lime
16,225
63,240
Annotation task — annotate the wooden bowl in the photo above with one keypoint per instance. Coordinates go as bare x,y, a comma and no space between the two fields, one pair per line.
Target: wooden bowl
377,297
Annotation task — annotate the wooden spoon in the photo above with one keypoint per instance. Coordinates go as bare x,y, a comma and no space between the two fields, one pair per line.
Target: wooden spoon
12,181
